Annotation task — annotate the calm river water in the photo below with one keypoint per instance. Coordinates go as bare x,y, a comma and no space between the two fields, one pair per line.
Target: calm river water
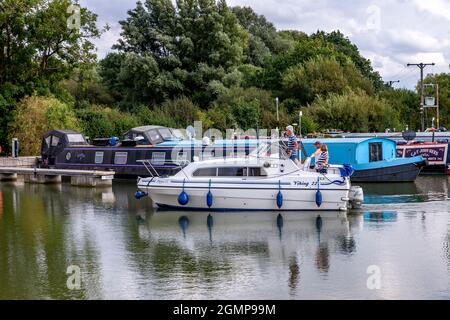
398,246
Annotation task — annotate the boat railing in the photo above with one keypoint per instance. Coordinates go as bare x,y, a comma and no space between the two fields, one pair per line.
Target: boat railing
154,173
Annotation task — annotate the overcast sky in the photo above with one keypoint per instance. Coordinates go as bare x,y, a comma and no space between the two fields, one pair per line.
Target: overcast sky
391,33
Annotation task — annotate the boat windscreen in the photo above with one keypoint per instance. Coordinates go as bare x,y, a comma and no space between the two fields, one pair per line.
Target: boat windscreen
178,134
270,149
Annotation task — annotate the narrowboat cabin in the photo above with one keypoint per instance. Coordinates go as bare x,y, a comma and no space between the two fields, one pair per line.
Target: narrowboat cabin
374,159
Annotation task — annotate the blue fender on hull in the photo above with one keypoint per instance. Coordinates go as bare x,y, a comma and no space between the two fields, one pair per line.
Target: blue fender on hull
183,198
319,198
279,196
140,194
209,199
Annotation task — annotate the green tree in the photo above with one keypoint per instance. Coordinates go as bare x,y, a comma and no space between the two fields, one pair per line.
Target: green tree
247,108
305,48
443,80
406,104
321,76
39,50
353,111
36,115
264,39
99,121
342,44
192,47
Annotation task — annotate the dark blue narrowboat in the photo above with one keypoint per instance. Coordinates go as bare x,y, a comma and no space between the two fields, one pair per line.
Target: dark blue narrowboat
166,148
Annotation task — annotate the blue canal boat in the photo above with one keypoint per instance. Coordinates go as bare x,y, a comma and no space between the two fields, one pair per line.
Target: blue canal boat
374,159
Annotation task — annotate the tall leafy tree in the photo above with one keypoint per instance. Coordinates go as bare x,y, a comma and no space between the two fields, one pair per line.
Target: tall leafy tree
38,49
321,76
342,44
264,38
443,80
195,45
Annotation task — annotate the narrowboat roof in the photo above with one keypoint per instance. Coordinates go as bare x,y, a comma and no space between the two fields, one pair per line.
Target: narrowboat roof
60,131
342,140
146,128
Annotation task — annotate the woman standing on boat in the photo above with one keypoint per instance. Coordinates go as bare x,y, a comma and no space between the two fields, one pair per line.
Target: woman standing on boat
322,159
292,143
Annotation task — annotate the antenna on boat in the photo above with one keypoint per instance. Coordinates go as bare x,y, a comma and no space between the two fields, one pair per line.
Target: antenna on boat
257,140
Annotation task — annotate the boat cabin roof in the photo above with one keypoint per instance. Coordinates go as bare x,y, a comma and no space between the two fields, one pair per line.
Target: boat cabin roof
153,135
67,137
146,128
342,140
356,150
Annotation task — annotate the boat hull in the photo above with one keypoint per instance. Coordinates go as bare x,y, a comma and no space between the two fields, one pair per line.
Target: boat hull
436,154
242,199
402,173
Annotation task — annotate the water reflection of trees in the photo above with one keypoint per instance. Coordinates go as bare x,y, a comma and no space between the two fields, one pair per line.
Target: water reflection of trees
34,244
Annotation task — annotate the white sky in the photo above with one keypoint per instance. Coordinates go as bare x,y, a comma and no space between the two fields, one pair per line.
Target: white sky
390,33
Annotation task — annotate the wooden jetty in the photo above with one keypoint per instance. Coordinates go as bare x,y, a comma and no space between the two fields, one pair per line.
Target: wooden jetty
27,162
51,176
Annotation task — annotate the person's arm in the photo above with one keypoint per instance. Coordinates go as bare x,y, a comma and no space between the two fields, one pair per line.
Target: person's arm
314,154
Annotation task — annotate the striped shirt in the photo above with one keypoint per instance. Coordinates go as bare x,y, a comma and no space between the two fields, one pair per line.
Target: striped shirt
322,159
292,139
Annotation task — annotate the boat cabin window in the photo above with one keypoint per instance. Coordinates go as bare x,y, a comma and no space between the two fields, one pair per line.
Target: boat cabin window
120,158
55,141
181,157
155,136
99,157
205,172
232,172
166,134
178,134
76,138
138,137
158,158
256,172
375,152
48,140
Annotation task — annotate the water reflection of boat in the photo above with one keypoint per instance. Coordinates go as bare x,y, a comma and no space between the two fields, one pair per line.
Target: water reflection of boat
427,188
241,225
249,235
382,216
266,180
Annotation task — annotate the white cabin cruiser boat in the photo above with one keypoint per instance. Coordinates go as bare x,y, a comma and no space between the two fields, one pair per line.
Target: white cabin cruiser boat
264,180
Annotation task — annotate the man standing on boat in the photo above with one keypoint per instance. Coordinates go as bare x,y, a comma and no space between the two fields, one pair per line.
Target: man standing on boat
292,143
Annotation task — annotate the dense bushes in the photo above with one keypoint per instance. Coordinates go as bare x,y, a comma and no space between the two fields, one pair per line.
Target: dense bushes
354,111
36,115
100,121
